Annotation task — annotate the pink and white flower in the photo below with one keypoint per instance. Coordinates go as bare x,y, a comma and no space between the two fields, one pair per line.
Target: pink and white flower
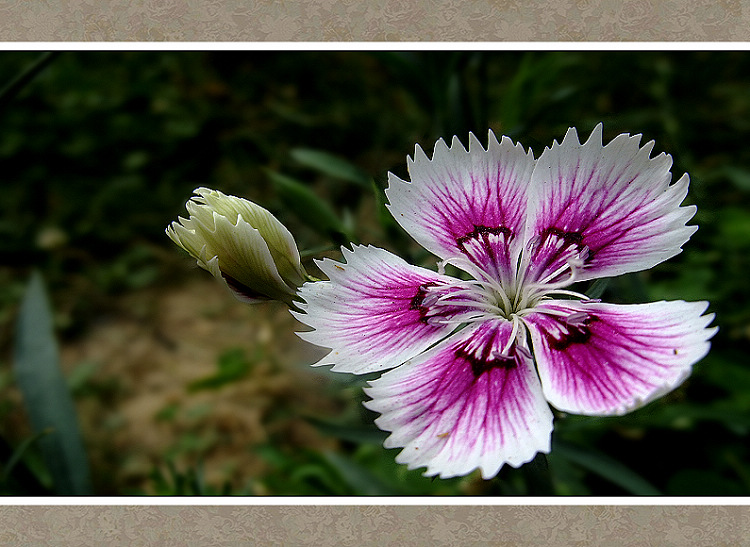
477,362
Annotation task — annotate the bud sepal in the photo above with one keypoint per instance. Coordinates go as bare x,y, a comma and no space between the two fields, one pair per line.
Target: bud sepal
241,244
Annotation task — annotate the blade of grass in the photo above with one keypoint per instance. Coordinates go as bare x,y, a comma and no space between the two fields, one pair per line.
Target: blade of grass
358,435
605,467
597,288
360,479
46,395
19,452
309,208
332,165
10,91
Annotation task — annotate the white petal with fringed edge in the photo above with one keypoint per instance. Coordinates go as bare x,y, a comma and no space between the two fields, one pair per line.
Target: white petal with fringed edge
473,401
601,359
466,207
371,312
612,204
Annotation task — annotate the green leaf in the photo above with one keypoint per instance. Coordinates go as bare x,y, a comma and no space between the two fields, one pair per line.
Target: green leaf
738,176
401,480
46,394
318,477
597,288
384,215
358,435
734,227
332,165
534,89
360,479
605,467
567,478
19,452
309,208
10,91
80,376
702,482
674,416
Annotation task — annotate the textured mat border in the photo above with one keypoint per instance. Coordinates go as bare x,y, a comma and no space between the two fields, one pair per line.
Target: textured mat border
373,525
365,20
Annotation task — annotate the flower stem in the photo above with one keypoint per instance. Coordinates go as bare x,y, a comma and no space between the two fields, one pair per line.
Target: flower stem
8,93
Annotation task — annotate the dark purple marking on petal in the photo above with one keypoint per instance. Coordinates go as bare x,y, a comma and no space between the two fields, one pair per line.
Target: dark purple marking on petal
484,233
571,238
372,310
417,303
483,365
487,245
485,361
554,248
576,334
451,420
617,196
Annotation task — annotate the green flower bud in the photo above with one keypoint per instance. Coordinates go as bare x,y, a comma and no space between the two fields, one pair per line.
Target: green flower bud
241,244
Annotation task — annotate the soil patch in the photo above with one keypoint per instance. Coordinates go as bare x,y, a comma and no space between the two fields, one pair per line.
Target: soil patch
188,374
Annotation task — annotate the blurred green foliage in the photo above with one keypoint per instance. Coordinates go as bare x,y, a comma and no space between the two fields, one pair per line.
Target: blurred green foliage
232,366
101,150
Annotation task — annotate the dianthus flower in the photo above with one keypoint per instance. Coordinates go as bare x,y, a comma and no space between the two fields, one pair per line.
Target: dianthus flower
477,362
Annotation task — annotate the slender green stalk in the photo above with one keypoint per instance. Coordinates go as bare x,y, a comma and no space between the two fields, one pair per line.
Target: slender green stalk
10,91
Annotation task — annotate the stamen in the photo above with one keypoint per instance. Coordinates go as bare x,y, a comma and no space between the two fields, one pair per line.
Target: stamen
559,271
547,288
523,267
512,337
430,299
548,311
524,351
436,321
439,321
474,305
487,297
472,269
571,293
576,318
471,294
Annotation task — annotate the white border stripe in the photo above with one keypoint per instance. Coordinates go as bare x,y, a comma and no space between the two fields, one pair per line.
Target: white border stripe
375,46
393,501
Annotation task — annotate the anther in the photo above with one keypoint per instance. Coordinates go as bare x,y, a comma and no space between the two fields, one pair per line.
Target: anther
576,319
523,351
436,321
430,299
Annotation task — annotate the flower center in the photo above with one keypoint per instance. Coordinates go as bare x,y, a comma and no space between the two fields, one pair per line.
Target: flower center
547,264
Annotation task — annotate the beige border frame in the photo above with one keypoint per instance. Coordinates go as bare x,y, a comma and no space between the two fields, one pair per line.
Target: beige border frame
363,20
376,525
360,20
